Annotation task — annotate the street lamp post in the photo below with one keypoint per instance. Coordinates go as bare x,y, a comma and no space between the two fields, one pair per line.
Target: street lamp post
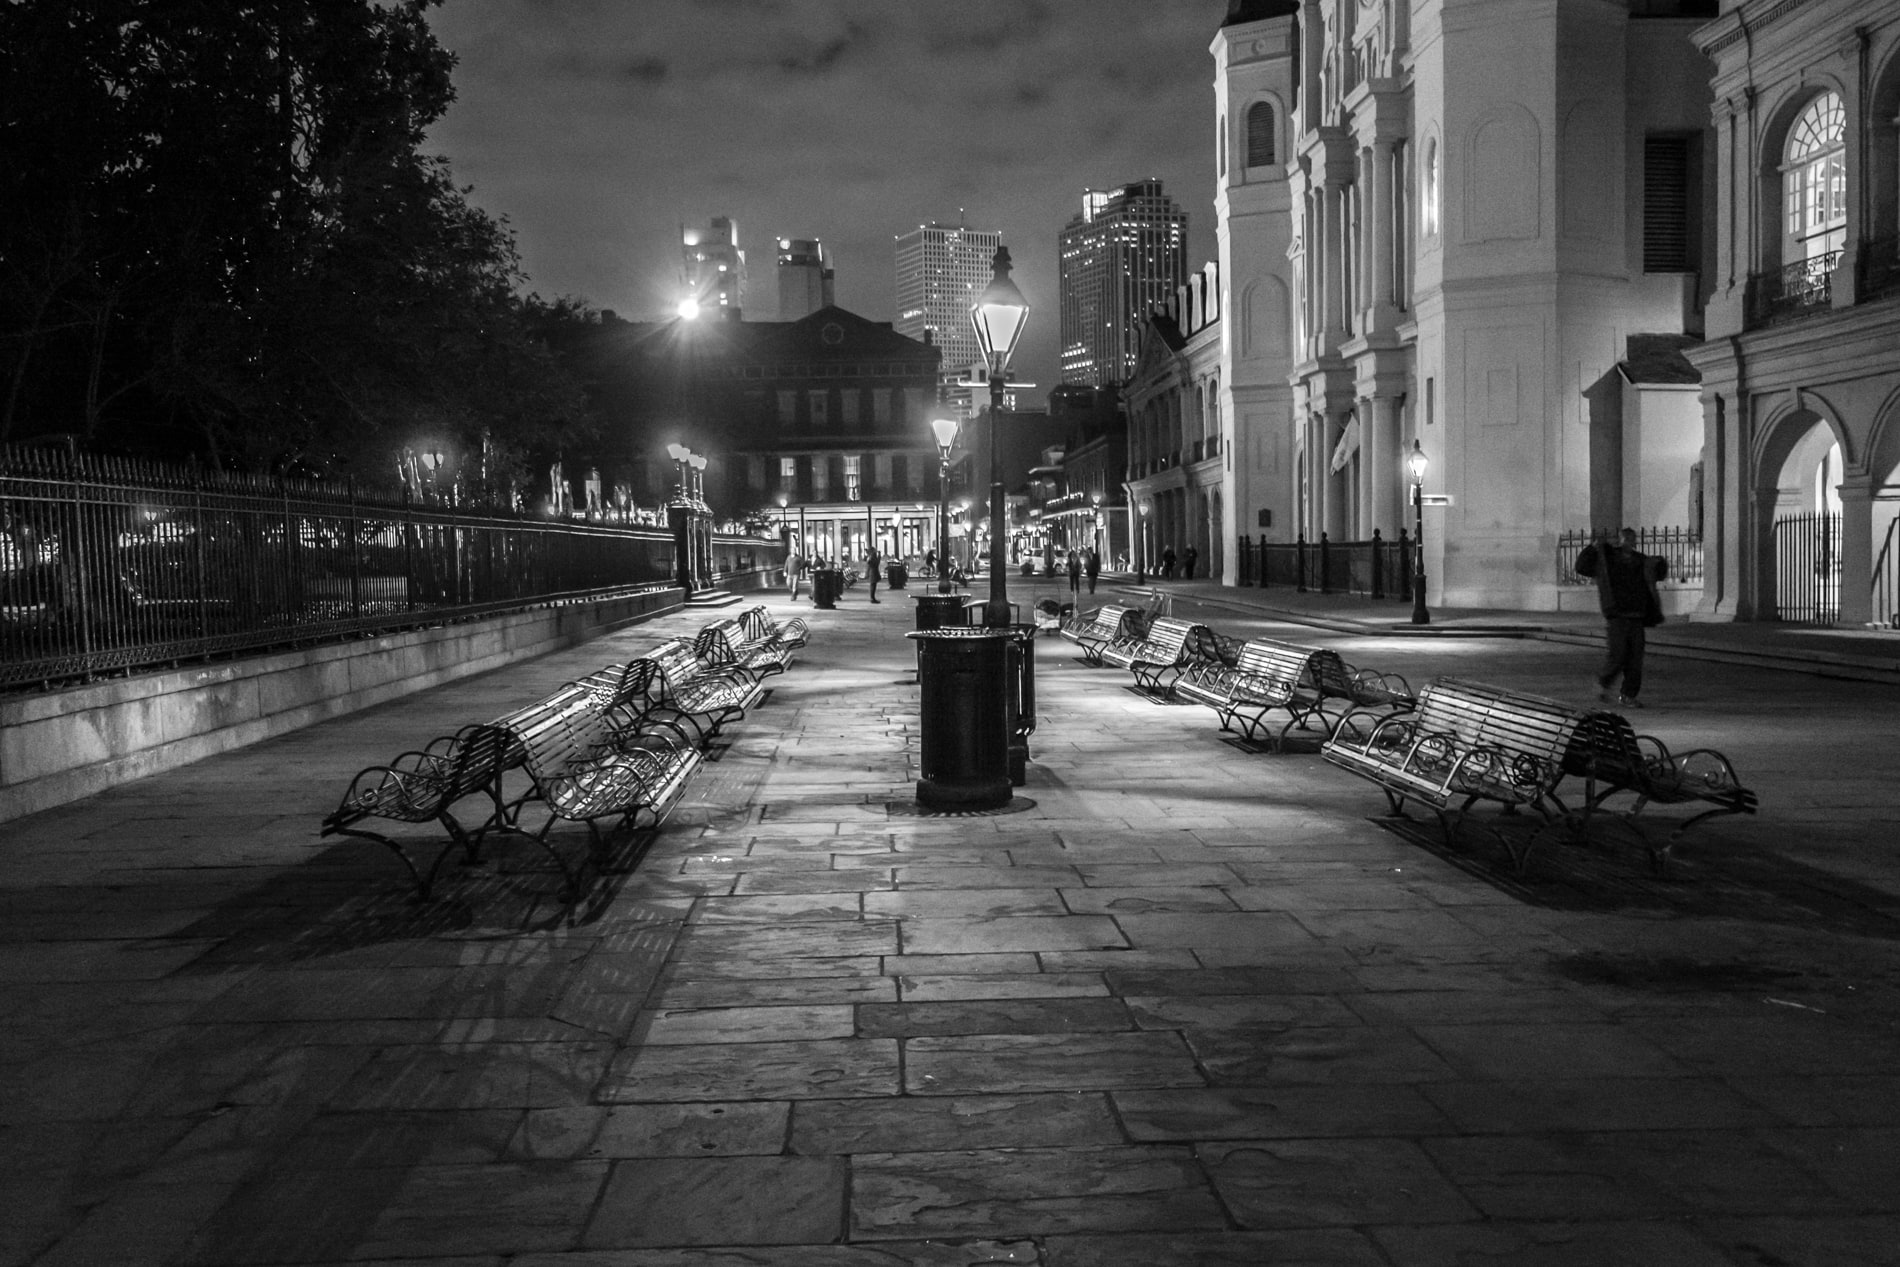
998,315
945,429
1417,461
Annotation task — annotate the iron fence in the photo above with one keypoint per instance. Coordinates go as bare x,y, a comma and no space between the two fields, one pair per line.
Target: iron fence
109,565
1377,568
1886,580
1808,569
1680,548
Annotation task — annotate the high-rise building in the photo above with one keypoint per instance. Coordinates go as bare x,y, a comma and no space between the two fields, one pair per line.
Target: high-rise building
804,278
940,269
712,268
1122,254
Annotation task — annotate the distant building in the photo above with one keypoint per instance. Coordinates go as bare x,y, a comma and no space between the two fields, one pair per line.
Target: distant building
940,270
819,425
805,280
1176,447
712,268
1122,254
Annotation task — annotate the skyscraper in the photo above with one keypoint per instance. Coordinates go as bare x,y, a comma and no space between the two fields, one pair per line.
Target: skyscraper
712,267
1122,254
804,278
940,268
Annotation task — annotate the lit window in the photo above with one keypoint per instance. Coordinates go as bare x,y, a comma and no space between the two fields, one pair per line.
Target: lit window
1429,201
1814,180
853,485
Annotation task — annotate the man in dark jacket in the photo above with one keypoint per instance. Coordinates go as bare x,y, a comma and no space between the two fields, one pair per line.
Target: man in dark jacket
1626,591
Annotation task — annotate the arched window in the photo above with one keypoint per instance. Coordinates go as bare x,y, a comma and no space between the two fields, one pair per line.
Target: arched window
1814,181
1260,135
1428,196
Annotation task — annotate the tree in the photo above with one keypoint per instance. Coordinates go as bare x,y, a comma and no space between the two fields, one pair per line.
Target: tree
218,232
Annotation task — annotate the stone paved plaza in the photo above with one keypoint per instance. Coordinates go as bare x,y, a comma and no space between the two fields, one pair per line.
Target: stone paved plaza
1185,1002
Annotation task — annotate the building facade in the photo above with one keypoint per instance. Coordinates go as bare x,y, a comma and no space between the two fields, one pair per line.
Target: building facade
805,278
1485,200
940,270
1800,373
1124,252
1177,452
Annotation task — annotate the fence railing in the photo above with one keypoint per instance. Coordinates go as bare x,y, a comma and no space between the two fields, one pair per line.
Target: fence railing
1808,569
1378,568
1680,548
1791,290
109,565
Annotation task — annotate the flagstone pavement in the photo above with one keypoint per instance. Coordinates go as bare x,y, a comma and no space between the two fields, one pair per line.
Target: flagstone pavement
1183,1002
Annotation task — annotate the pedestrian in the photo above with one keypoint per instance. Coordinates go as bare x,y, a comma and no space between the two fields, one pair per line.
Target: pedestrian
1075,574
870,569
1094,569
794,570
1626,591
1167,563
930,563
1189,558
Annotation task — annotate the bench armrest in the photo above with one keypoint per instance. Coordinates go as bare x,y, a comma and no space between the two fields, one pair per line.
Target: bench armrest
1373,688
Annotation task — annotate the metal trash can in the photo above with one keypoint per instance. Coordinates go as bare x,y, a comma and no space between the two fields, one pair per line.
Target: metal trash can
937,611
827,586
896,575
963,680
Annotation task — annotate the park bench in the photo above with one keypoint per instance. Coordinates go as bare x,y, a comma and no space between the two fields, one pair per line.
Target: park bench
728,643
704,696
1170,647
584,769
1612,759
1462,743
425,786
1091,631
1270,677
760,624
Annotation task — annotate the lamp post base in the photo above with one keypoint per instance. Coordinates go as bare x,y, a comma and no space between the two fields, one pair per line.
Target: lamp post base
1419,615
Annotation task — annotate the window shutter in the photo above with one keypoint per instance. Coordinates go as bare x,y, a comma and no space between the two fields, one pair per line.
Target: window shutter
1666,204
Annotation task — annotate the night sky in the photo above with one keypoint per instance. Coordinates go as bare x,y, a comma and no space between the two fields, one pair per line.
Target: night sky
599,127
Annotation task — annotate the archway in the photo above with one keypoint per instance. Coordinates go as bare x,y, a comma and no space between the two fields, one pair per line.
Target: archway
1799,521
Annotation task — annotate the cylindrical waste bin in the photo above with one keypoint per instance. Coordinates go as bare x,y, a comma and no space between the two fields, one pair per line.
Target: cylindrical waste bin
937,611
896,575
963,679
827,585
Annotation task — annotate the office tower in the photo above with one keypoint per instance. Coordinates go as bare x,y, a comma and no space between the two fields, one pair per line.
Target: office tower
804,279
712,267
940,269
1122,254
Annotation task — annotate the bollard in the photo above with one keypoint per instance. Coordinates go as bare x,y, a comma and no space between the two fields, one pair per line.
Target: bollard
965,717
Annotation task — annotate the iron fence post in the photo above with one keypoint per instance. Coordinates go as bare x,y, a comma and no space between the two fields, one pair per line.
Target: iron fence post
1378,565
1325,564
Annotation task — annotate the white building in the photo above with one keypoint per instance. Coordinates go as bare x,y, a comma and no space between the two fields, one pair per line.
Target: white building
1801,371
1482,201
712,268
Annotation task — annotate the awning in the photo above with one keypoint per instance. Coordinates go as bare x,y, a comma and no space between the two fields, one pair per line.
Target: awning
1348,444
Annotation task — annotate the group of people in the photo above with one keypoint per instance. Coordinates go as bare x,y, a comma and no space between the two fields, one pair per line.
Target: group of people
1084,563
1188,558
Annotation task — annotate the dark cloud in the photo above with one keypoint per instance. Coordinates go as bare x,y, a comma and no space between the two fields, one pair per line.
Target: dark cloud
647,70
829,54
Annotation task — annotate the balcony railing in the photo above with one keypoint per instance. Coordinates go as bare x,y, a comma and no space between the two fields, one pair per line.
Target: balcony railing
1793,290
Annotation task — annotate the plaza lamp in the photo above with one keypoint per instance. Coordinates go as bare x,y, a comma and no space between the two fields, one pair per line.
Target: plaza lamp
998,314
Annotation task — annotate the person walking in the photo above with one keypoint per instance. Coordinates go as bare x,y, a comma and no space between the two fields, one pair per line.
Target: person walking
1167,563
1094,569
871,562
1189,558
1075,575
794,570
1626,591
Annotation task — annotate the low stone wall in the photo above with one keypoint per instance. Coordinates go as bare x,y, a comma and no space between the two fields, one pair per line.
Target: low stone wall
59,747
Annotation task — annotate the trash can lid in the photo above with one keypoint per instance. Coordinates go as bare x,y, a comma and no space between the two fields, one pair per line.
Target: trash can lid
960,634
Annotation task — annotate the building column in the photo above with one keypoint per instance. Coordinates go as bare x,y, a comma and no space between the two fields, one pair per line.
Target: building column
1382,453
1857,552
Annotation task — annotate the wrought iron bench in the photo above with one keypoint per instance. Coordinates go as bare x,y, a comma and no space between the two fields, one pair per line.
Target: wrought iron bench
1091,631
1270,677
703,696
1612,759
1462,743
727,642
1170,647
425,786
761,625
583,768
